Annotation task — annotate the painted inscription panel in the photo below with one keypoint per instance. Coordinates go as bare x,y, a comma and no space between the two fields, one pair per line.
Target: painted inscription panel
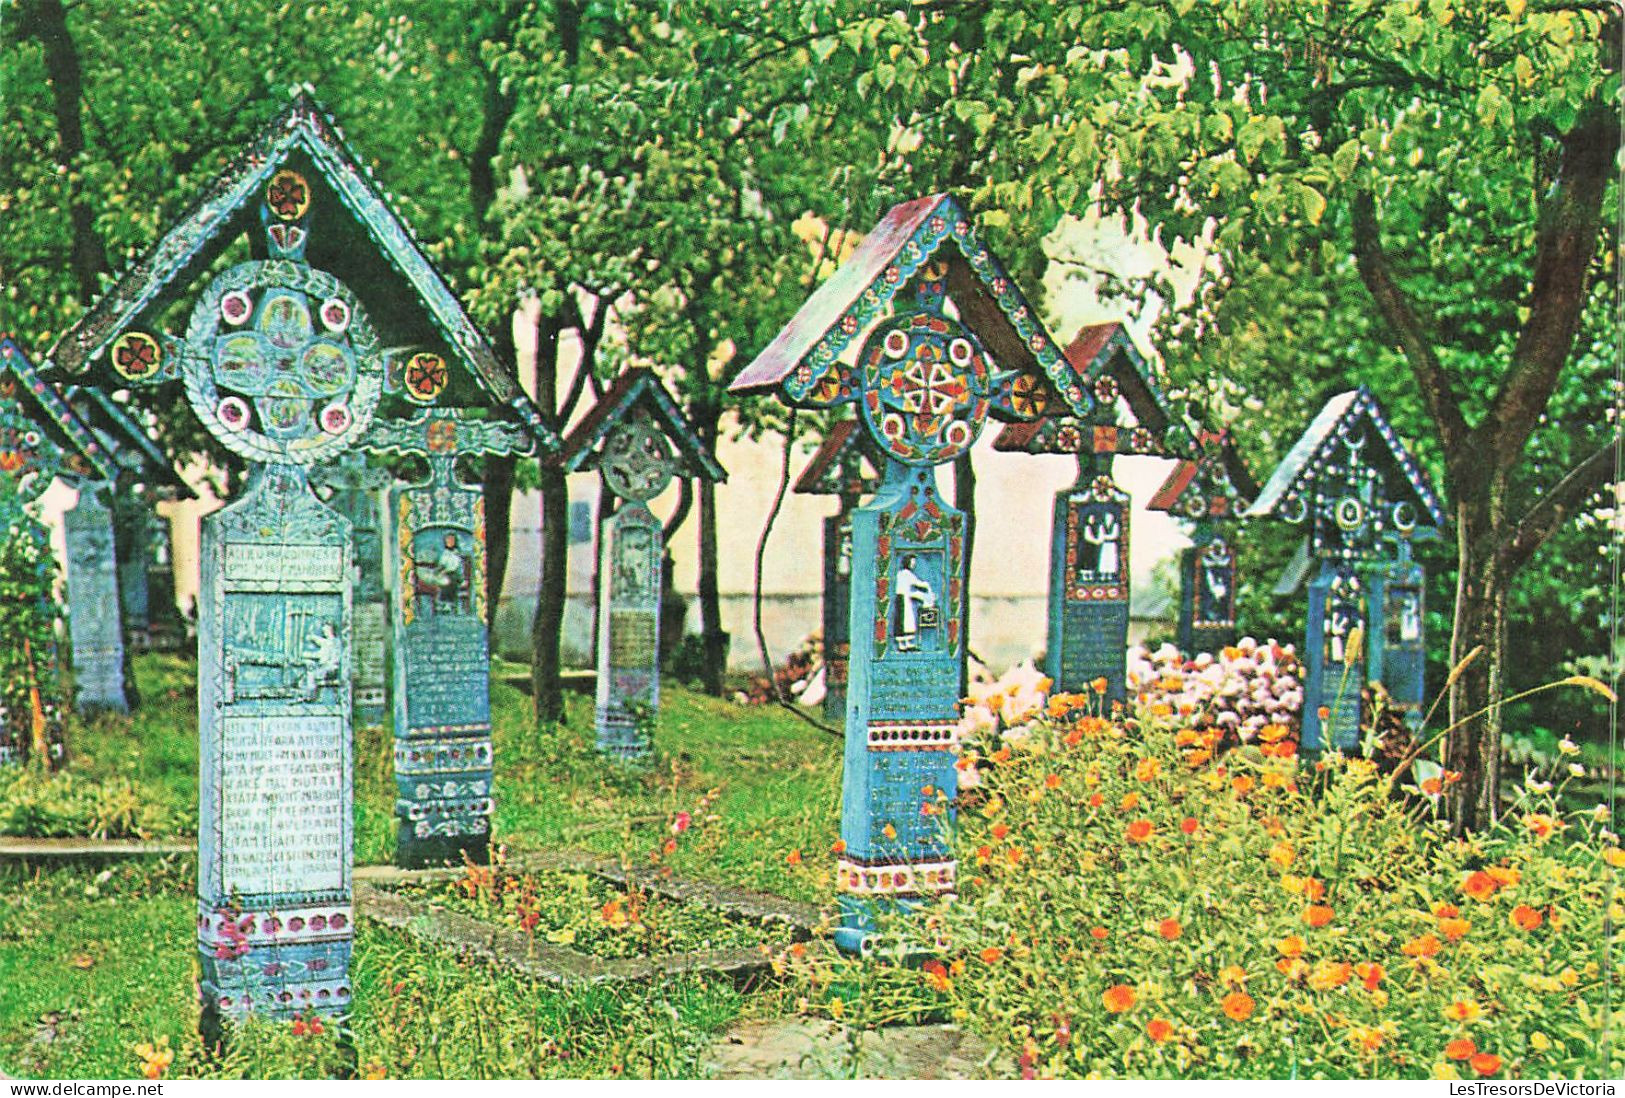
1089,590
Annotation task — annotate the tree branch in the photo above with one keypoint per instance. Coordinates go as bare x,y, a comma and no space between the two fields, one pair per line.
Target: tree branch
1438,392
1565,245
1557,506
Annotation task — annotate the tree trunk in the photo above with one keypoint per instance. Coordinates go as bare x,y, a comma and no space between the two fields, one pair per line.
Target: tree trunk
714,641
498,488
547,626
965,500
1474,749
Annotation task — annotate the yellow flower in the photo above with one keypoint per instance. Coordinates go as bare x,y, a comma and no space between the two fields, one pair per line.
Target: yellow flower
1281,855
155,1057
1147,769
1614,856
1568,977
1463,1010
1233,975
1445,1071
1539,1041
837,1009
374,1070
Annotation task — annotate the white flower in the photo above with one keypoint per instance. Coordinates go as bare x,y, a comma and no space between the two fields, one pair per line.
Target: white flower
1577,770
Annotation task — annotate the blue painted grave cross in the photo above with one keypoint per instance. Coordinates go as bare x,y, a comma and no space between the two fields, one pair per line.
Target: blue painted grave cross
638,440
1209,491
356,491
1089,538
283,364
41,439
924,331
440,633
140,539
843,466
1356,487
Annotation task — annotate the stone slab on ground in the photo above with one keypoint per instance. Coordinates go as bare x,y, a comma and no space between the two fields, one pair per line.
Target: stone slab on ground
812,1048
23,849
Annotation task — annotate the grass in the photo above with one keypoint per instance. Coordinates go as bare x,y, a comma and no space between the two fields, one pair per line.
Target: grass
94,960
94,963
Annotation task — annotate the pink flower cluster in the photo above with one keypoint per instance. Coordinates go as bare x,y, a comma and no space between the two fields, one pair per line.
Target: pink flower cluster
1240,689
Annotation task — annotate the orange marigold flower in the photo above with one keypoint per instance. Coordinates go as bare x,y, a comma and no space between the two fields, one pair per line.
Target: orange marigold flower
1463,1010
1370,973
1281,855
936,975
1503,875
1052,781
1096,800
1000,830
889,831
1462,1048
983,853
1369,1038
1480,886
1331,974
1233,975
1543,827
1486,1063
1100,685
1432,786
1525,917
793,858
1147,769
1293,968
1272,732
1098,933
992,954
1015,854
839,848
1446,911
1159,1030
1242,785
1323,712
1454,929
1425,946
1197,758
1317,914
1074,737
1138,831
1170,929
1189,825
1129,803
1314,889
1290,946
1238,1006
1118,998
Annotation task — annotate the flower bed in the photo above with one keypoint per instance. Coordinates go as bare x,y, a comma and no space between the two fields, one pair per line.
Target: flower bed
1133,904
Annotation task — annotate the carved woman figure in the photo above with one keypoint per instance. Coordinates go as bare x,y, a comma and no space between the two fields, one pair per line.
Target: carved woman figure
1108,535
913,594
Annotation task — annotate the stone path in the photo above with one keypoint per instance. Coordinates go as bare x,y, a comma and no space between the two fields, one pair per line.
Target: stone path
806,1048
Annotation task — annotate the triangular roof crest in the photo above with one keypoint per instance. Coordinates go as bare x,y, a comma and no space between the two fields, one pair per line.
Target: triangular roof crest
637,387
44,406
848,303
826,473
119,433
304,126
1213,484
1295,476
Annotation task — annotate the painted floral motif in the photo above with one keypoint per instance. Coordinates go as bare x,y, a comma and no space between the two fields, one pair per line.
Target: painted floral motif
288,195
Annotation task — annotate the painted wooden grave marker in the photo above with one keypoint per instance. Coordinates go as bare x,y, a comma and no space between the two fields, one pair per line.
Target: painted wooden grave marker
927,334
1350,479
1089,536
41,439
440,626
638,440
841,467
283,365
1209,491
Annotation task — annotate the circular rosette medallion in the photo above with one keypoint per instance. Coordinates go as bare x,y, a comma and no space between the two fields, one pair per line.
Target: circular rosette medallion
637,460
283,364
925,388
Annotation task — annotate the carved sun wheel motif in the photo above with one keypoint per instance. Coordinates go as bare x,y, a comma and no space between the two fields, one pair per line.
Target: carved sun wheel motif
277,362
425,377
925,388
637,459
